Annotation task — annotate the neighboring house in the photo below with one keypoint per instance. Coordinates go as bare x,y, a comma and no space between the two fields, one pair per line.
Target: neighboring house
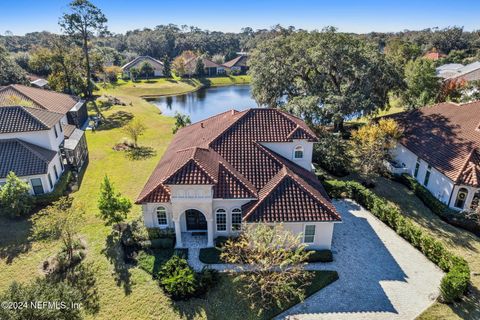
31,145
440,147
239,64
210,68
434,56
137,64
458,72
74,109
448,70
253,166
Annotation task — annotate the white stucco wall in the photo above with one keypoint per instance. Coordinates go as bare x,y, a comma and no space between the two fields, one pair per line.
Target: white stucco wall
439,185
44,177
286,150
323,233
44,138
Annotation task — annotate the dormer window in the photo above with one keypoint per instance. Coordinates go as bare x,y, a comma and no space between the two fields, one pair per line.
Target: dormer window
298,152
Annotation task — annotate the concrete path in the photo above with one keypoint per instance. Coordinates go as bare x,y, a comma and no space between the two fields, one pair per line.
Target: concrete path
381,275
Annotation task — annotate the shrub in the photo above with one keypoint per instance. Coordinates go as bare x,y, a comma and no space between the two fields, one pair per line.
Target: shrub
59,191
156,233
177,279
207,278
320,256
457,278
15,200
439,208
210,255
330,153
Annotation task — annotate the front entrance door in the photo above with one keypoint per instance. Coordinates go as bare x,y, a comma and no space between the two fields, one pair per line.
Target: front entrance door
195,220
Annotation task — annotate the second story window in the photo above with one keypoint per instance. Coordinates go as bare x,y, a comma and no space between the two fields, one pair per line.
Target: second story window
298,152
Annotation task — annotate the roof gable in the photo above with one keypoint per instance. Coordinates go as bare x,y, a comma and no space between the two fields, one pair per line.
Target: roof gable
40,98
190,173
141,59
23,158
23,119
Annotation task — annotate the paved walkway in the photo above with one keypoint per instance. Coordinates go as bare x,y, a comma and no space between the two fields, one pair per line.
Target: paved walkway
381,275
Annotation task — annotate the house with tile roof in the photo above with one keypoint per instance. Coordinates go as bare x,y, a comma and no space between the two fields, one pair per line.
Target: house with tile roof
73,108
37,145
238,64
253,166
137,63
440,147
210,68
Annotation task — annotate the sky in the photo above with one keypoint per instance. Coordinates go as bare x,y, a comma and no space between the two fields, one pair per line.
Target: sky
22,16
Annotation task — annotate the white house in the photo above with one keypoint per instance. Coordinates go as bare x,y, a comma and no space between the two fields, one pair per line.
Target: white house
139,61
440,148
34,144
235,168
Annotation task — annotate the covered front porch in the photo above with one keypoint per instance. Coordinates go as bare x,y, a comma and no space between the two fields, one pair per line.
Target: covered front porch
193,229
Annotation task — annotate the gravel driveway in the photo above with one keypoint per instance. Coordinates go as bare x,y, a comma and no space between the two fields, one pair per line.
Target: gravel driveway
381,275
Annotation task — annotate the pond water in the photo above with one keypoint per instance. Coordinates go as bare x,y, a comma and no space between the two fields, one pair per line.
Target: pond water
207,102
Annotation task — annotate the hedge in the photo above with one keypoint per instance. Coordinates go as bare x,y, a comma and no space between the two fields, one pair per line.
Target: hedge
439,208
58,192
162,243
320,256
454,283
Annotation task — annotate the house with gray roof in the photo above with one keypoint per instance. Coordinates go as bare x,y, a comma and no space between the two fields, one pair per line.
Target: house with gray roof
35,144
139,61
459,72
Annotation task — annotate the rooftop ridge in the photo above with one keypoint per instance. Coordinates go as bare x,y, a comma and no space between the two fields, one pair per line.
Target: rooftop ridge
253,191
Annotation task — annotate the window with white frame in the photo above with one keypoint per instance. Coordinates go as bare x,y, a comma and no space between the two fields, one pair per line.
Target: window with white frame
309,234
298,152
427,175
50,180
56,172
461,198
37,186
221,219
162,216
417,168
236,219
55,130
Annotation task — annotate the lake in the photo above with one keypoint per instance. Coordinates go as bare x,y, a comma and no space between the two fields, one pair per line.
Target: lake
207,102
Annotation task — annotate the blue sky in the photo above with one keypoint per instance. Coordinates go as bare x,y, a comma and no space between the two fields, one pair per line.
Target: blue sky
21,16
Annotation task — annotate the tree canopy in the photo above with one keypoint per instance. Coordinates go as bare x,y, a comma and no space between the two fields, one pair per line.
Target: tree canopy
322,76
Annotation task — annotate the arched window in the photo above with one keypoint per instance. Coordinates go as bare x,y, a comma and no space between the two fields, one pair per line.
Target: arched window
236,219
162,216
475,200
298,152
221,219
461,198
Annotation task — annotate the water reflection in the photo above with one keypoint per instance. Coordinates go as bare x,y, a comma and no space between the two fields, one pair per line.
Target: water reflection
207,102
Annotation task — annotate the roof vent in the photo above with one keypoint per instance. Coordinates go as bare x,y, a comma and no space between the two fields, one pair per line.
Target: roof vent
201,125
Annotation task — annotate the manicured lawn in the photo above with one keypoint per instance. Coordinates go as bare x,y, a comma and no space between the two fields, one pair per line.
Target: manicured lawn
461,242
161,86
125,292
225,302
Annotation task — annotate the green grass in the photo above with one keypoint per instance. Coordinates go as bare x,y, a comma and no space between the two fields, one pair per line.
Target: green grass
125,292
225,302
459,241
172,86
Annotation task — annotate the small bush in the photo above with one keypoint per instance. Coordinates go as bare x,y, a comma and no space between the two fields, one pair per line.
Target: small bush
320,256
59,191
156,233
210,255
162,243
439,208
207,278
177,279
457,278
221,240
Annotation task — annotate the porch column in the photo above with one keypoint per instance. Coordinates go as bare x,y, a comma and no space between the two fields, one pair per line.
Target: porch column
178,234
210,232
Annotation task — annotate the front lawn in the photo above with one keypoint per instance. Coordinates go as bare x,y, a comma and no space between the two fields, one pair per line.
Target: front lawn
461,242
225,302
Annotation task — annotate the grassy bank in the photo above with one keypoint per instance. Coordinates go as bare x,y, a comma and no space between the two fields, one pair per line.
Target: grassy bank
173,86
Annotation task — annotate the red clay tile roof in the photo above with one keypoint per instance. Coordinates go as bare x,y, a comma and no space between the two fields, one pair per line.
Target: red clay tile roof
225,151
445,135
40,98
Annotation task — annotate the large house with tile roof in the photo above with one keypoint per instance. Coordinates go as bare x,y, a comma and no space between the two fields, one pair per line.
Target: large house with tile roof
73,108
440,147
37,144
253,166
